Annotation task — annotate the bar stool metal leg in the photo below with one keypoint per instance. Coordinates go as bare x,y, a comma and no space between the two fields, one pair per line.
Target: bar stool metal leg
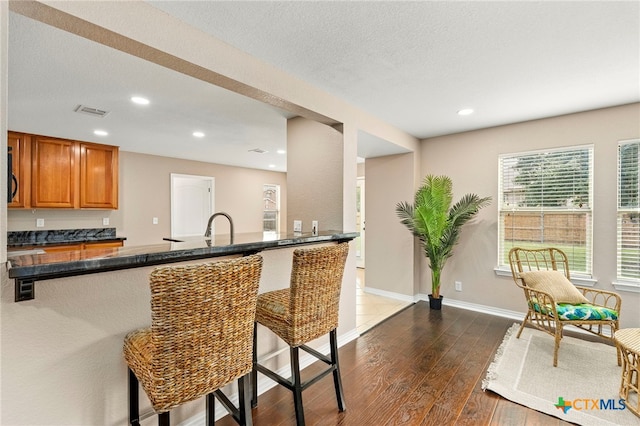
296,385
134,411
164,419
254,371
337,380
244,400
211,409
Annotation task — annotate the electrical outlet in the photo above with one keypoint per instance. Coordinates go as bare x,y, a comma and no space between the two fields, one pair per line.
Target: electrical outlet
297,226
154,221
105,221
314,227
39,223
458,285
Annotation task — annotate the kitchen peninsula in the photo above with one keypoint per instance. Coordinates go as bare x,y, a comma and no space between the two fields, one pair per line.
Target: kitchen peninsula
26,269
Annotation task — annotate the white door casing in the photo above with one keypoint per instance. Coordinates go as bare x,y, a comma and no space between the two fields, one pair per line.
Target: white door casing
192,203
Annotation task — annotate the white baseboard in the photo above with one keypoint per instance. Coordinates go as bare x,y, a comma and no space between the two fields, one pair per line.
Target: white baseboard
391,295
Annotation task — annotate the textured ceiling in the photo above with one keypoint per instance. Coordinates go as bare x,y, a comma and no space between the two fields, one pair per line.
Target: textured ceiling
412,64
415,64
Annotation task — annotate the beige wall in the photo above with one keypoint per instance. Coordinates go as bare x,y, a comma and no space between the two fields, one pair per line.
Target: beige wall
471,160
314,174
391,260
238,191
145,192
4,17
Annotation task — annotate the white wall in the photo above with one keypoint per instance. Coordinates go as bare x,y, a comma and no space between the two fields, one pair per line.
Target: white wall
471,160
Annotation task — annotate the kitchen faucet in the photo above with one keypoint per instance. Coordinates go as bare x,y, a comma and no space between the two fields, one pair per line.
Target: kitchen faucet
207,233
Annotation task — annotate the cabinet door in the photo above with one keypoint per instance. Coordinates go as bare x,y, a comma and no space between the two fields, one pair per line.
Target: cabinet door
62,248
65,253
21,153
98,176
55,173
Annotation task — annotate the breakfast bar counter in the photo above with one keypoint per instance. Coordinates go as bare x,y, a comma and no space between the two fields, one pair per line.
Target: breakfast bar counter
26,269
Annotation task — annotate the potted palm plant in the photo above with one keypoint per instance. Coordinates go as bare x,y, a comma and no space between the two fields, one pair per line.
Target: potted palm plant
437,223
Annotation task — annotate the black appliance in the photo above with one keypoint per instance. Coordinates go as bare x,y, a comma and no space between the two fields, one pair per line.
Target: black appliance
12,181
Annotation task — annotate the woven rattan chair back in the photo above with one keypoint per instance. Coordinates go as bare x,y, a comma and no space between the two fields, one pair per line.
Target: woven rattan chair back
201,335
316,280
544,259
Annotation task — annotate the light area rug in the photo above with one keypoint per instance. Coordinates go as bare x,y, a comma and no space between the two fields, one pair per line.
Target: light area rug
585,384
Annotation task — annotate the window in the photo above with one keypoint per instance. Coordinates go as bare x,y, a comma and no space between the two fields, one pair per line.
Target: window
271,209
545,199
629,211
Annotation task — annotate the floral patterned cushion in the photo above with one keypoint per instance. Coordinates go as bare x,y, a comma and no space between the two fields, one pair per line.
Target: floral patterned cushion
582,311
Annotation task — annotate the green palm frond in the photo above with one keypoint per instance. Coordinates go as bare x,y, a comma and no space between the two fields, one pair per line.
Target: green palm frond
435,222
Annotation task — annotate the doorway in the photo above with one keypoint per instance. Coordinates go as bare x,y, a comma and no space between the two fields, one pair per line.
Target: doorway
192,203
360,222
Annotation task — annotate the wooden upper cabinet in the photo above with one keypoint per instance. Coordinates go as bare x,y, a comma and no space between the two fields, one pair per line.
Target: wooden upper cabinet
54,173
20,144
61,173
98,176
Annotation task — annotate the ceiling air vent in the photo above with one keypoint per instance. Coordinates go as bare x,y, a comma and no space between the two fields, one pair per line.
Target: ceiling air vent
258,150
91,111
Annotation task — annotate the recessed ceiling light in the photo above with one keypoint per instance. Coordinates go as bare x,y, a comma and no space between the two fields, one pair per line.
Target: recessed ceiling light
272,166
140,100
466,111
281,151
100,132
198,134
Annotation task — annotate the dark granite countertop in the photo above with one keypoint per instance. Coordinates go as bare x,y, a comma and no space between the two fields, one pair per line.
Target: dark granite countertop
32,267
43,238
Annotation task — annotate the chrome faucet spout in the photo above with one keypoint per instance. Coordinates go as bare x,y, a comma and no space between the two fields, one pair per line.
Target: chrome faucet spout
207,233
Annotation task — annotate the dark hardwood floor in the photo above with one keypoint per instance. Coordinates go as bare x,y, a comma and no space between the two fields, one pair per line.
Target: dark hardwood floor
419,367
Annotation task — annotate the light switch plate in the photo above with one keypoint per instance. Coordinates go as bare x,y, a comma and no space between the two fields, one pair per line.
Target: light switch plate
39,223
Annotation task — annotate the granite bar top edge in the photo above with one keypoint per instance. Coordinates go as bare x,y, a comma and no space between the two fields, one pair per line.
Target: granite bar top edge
46,266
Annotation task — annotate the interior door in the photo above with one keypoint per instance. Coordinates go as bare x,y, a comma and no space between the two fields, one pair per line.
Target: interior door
192,203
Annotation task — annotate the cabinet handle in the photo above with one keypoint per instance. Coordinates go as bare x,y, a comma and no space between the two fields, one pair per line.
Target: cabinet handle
15,191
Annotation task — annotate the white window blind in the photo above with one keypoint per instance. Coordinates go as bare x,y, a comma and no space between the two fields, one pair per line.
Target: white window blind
545,199
629,210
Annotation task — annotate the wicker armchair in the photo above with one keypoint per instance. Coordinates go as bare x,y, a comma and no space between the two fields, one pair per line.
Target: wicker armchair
200,339
553,302
308,309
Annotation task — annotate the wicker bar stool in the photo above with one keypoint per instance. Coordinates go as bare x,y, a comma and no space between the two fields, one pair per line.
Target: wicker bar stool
200,339
303,312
